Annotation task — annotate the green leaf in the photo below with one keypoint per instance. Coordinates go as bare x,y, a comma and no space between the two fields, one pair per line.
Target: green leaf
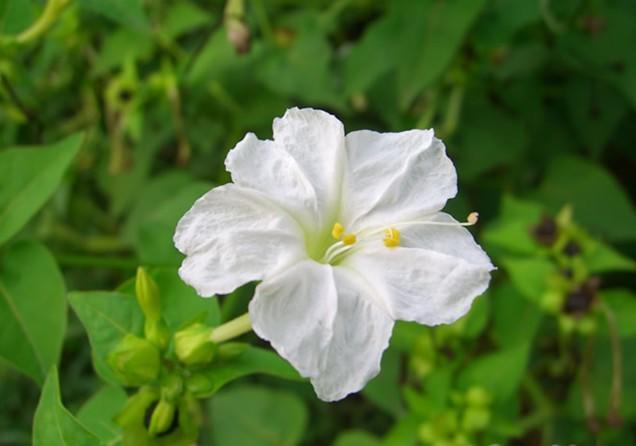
357,438
600,204
622,304
107,318
53,425
499,373
17,15
486,130
440,28
404,432
529,275
125,12
511,232
516,320
153,220
257,416
384,389
28,177
600,258
98,413
252,360
32,309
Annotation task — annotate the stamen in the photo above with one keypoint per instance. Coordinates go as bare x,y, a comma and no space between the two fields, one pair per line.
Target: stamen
349,239
337,230
472,218
391,238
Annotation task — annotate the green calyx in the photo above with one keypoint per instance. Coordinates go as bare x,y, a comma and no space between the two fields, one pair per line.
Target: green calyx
193,345
135,360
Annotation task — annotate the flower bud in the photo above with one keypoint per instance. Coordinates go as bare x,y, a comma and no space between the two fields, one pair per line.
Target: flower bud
193,344
477,397
475,419
162,418
135,361
135,408
157,332
171,387
200,385
147,295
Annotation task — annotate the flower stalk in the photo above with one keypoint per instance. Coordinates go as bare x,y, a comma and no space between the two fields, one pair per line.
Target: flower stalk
51,12
232,329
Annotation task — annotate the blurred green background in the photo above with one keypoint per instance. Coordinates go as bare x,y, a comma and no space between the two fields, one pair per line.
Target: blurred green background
535,100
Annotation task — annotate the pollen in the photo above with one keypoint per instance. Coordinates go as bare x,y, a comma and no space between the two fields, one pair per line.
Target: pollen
472,218
337,231
349,239
391,238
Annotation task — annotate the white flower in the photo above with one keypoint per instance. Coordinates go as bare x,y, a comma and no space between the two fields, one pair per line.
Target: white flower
346,236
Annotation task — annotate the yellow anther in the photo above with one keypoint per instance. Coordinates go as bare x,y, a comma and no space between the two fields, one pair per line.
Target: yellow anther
349,239
337,230
472,218
391,238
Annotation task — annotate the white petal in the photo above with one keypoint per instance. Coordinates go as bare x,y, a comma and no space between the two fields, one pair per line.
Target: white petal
394,176
432,278
300,170
327,323
234,235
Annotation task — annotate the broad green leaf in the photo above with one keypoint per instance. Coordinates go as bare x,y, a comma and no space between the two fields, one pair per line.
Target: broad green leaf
17,15
153,220
622,304
98,413
53,425
107,318
486,130
32,309
404,432
180,304
474,323
252,360
357,438
125,12
384,389
529,275
600,204
511,232
183,17
28,177
499,373
600,258
257,416
288,71
440,27
515,318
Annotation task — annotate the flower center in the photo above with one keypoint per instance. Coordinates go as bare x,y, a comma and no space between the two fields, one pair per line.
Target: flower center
346,242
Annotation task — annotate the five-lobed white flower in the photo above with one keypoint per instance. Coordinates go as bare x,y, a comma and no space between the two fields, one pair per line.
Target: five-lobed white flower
345,235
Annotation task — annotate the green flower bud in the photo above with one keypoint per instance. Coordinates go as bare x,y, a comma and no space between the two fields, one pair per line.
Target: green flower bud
135,361
427,433
477,397
162,418
200,385
193,345
586,325
566,323
171,387
475,419
552,301
135,408
147,295
157,332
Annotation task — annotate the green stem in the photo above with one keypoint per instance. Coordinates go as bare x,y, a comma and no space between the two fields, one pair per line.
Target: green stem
51,12
617,367
232,329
